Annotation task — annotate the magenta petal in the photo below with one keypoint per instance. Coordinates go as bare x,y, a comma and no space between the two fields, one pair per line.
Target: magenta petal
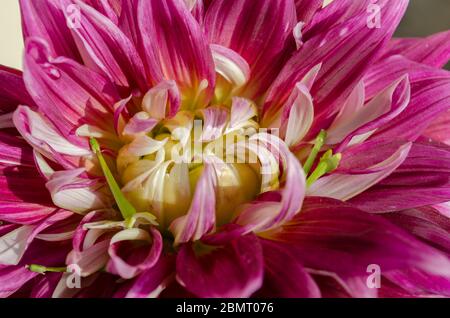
306,9
433,50
175,49
45,19
104,47
68,93
232,270
332,236
12,90
151,282
241,25
439,129
284,274
21,204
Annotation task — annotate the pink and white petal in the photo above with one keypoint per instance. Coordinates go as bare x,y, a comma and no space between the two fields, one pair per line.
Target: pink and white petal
201,217
40,134
284,274
215,119
232,270
422,179
105,48
127,261
14,244
228,63
74,193
346,186
67,93
240,25
15,277
343,123
175,49
163,100
299,116
91,259
242,110
109,8
379,111
351,45
141,123
433,50
45,19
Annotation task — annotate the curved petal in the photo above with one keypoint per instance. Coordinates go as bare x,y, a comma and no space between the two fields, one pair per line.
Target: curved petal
201,216
128,262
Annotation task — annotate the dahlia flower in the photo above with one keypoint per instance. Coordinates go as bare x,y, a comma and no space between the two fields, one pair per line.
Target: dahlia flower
224,148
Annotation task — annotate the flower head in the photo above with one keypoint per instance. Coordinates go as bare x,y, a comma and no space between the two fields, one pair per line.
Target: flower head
224,149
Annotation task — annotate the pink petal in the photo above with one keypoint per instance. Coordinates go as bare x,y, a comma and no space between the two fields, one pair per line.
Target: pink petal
232,270
284,274
104,47
175,49
433,50
67,93
163,100
12,90
241,25
228,63
306,9
346,51
71,192
45,19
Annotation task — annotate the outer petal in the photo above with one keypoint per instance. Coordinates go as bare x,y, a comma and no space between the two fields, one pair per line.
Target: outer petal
331,236
67,93
106,48
439,129
433,50
346,51
12,90
284,274
21,204
175,49
422,179
253,30
306,9
232,270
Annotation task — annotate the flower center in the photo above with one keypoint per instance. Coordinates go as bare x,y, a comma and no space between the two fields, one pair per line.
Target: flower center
160,170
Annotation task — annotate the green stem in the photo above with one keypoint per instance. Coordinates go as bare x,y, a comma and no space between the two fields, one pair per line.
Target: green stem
125,207
43,269
318,143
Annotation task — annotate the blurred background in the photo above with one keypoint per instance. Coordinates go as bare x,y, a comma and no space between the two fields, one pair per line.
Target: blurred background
424,17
